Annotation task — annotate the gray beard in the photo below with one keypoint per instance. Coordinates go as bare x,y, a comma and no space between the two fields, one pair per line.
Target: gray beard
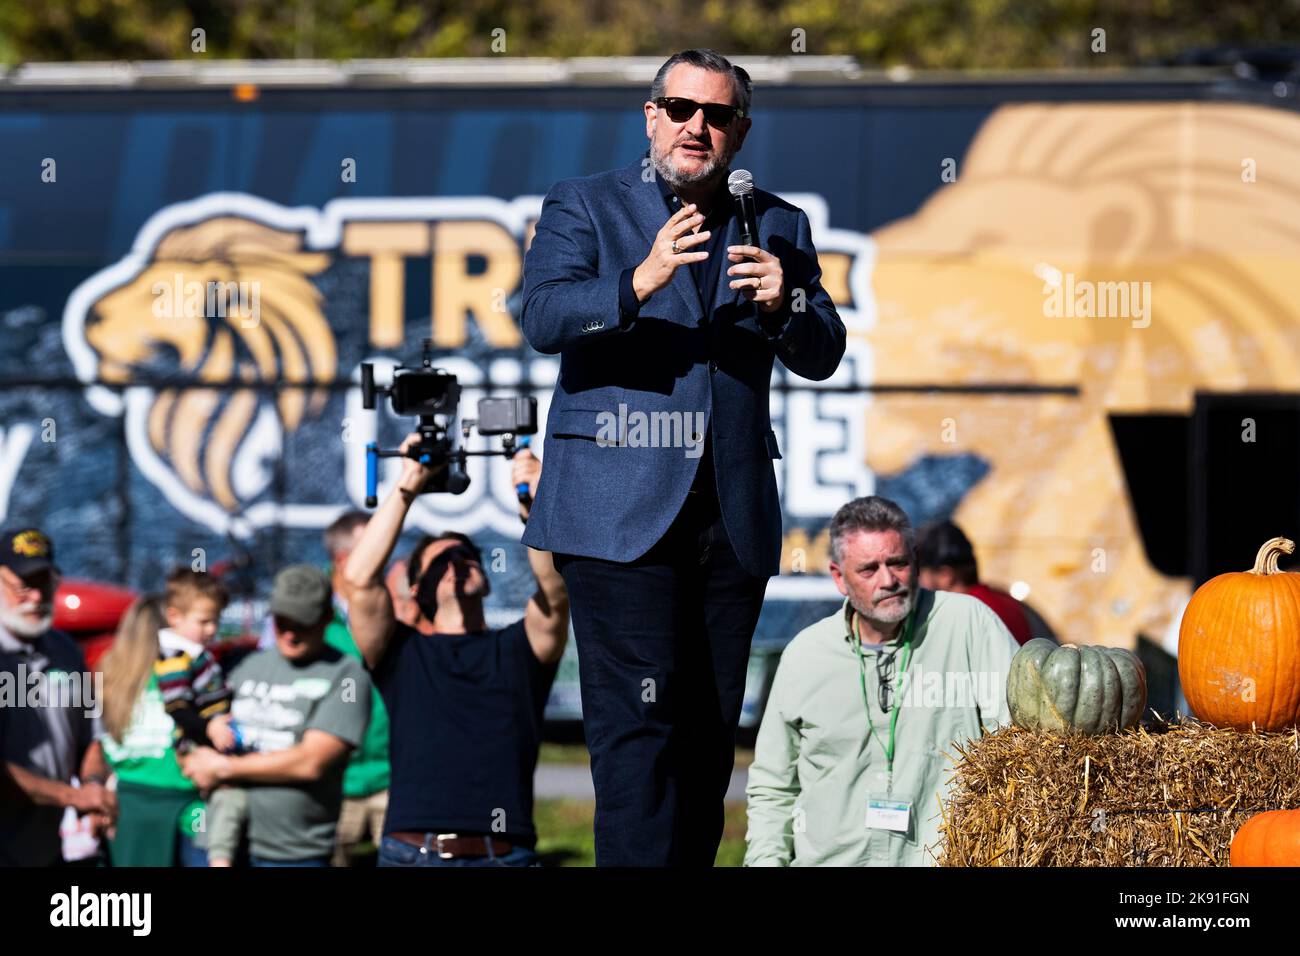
892,617
23,628
667,170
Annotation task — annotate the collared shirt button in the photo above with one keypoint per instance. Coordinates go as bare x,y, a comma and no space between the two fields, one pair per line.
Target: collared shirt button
713,366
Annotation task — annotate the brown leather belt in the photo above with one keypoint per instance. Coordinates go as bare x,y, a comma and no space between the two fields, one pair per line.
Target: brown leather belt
450,846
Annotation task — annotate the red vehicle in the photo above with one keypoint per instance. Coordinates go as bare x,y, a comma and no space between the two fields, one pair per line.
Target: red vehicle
89,612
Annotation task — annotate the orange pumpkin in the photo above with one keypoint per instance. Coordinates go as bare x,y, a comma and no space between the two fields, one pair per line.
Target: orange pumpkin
1239,646
1267,839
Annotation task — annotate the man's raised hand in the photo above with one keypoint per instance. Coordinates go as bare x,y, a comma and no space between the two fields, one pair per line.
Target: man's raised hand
656,271
415,475
525,469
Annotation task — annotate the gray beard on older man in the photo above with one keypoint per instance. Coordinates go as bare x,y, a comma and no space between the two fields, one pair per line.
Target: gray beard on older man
667,169
15,621
895,612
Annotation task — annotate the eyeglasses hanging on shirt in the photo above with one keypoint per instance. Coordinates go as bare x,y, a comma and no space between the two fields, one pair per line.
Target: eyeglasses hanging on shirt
884,675
905,642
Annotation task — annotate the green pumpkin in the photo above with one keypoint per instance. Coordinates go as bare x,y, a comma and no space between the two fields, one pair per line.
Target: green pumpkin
1075,690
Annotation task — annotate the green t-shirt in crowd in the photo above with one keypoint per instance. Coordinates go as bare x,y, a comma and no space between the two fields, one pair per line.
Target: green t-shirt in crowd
276,702
145,756
367,770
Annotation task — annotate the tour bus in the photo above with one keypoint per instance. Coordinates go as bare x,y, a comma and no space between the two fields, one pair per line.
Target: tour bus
1067,301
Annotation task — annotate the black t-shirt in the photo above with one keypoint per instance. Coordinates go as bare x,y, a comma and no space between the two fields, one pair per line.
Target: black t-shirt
465,725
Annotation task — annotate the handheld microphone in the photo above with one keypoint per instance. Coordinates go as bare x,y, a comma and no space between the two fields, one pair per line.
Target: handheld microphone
741,186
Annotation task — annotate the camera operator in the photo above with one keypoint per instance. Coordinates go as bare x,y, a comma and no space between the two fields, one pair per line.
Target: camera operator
464,701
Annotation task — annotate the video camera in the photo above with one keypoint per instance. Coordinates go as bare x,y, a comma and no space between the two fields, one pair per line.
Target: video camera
434,395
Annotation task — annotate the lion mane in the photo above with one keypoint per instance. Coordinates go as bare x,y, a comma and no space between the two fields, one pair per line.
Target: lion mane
1200,201
254,366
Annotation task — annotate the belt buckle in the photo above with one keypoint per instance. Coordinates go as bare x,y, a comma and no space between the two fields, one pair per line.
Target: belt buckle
443,854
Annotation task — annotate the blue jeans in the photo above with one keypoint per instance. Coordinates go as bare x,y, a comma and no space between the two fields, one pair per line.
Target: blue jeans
396,853
258,861
189,853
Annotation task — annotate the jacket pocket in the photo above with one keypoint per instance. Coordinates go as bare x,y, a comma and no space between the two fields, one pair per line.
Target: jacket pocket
583,423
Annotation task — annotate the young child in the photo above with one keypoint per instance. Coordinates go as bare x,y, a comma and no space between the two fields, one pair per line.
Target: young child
195,694
193,687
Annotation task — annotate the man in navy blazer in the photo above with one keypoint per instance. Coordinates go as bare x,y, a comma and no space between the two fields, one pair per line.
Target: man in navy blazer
658,499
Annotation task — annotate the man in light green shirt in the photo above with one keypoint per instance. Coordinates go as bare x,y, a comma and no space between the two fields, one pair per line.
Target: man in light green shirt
930,670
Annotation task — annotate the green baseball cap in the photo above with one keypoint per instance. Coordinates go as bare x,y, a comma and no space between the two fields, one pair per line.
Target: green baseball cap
303,594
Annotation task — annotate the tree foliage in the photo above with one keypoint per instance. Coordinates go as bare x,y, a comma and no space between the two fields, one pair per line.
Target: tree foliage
958,34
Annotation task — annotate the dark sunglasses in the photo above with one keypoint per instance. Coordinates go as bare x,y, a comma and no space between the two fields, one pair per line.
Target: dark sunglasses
717,115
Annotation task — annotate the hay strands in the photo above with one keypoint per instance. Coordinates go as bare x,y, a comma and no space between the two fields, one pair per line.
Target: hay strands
1171,795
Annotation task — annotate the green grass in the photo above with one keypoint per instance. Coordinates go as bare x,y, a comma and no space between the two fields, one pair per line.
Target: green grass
575,754
564,836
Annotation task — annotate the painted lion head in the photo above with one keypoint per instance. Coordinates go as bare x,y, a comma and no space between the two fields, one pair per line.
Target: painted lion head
161,325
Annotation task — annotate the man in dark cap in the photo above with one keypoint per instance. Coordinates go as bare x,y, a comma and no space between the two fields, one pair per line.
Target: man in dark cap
49,712
301,707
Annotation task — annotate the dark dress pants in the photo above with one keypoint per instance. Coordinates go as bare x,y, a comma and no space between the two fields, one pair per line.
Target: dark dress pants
663,649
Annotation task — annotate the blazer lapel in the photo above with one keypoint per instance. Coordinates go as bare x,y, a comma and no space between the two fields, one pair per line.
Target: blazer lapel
646,204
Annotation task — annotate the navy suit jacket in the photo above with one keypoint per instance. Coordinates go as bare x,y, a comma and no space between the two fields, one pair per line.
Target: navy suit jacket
614,498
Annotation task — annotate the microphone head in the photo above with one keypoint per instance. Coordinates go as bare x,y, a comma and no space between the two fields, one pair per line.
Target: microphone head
740,183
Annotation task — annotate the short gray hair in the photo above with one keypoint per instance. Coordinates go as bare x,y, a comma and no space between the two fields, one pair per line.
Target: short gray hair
339,534
871,513
712,61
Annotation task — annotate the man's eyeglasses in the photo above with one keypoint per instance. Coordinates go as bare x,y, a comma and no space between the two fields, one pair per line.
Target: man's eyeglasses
717,115
884,674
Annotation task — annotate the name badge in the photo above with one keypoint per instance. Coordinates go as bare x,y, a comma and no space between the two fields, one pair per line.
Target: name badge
889,815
